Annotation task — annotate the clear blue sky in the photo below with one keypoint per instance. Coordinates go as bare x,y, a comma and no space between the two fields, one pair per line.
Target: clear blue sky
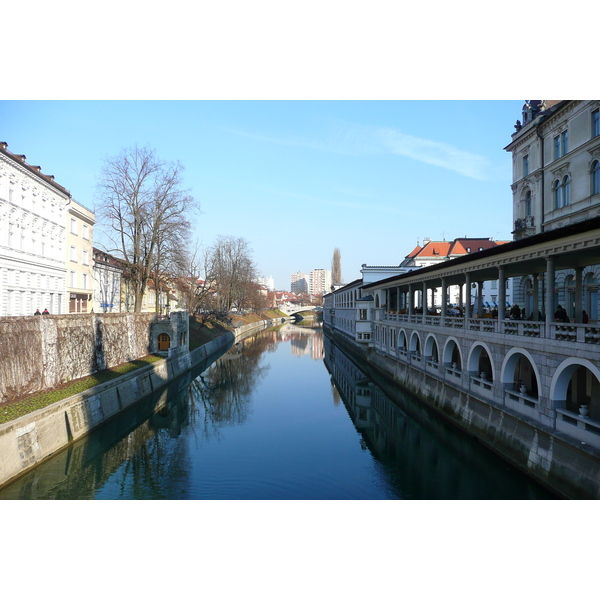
297,178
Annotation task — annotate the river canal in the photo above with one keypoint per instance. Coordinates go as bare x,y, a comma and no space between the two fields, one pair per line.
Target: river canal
283,415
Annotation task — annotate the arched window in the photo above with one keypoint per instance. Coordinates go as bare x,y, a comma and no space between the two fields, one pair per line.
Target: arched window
595,176
566,190
557,194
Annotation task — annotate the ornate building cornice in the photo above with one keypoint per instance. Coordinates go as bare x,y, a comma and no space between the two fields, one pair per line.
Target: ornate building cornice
560,171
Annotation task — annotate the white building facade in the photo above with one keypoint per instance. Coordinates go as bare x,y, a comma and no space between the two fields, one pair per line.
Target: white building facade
107,282
556,183
33,219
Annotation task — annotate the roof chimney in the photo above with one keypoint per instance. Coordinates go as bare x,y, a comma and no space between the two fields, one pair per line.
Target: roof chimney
3,145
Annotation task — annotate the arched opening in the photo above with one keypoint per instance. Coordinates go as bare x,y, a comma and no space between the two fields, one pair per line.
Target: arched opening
480,364
584,390
519,375
402,346
576,387
415,345
431,350
164,341
452,356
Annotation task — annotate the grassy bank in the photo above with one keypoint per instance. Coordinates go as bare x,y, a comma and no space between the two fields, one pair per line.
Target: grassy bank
200,334
18,407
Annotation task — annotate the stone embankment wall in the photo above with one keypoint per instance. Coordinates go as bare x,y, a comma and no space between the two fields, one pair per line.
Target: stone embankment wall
41,352
31,439
568,467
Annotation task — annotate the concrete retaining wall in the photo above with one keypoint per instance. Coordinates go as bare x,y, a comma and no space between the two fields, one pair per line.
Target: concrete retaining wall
40,352
568,467
31,439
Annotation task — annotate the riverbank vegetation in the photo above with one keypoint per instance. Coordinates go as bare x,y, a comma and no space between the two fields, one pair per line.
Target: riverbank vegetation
18,407
201,332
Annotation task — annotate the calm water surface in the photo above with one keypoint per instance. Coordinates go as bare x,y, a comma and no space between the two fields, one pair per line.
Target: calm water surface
283,415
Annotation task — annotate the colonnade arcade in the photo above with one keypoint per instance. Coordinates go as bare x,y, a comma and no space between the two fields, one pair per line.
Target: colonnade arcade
543,367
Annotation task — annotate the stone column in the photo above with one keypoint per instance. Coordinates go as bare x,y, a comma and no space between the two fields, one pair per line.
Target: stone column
501,294
424,303
578,294
468,295
444,294
480,298
534,297
410,299
550,308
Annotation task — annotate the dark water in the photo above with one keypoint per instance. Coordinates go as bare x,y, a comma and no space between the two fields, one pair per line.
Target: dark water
272,420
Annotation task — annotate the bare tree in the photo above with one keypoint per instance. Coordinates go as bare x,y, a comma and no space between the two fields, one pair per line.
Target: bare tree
233,270
198,279
142,203
336,267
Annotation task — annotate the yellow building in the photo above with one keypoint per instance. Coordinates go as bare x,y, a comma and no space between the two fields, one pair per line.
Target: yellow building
80,281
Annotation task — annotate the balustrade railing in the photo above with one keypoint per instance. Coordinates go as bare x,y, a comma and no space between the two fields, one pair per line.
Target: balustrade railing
521,398
569,332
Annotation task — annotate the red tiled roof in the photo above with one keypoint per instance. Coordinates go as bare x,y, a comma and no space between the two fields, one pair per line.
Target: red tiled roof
435,249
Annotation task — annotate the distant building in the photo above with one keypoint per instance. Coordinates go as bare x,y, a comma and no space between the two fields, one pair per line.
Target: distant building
432,253
107,272
267,282
319,282
299,283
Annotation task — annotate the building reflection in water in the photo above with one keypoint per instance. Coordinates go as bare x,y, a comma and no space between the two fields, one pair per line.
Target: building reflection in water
424,456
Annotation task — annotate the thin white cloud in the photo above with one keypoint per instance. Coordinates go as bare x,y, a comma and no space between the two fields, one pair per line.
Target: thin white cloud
434,153
359,140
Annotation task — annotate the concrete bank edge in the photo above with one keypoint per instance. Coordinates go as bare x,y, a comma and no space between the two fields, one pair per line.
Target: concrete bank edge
29,440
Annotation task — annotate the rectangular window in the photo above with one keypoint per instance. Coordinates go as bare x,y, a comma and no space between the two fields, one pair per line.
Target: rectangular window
86,234
72,279
526,165
595,122
73,254
556,147
85,281
74,226
85,259
564,140
494,284
363,314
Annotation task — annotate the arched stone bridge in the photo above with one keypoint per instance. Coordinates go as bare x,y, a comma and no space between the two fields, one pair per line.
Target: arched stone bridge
292,310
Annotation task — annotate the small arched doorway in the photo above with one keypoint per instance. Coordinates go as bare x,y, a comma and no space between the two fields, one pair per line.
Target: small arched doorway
164,341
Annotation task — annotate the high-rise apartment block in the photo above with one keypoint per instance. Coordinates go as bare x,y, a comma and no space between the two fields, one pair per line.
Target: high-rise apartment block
299,283
319,282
